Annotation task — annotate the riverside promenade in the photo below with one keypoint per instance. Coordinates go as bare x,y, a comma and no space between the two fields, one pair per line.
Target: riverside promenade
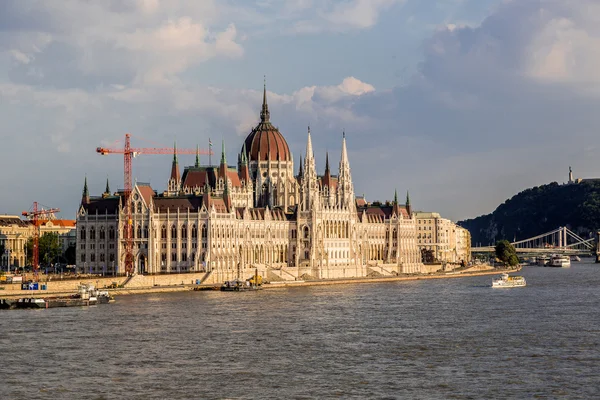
185,282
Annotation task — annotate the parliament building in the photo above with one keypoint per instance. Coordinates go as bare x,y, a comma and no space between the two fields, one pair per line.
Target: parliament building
261,214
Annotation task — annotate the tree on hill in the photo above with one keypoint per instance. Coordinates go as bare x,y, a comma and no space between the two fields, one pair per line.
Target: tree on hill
538,210
506,253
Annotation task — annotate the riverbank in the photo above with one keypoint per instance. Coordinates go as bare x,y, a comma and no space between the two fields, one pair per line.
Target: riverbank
474,271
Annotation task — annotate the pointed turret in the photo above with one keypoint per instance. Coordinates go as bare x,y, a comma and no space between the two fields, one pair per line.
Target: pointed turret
175,167
344,158
227,197
345,186
309,149
106,190
244,171
85,196
327,176
197,164
175,179
223,164
310,189
395,197
408,207
264,113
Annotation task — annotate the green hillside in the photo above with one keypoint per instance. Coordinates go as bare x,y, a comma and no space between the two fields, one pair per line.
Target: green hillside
538,210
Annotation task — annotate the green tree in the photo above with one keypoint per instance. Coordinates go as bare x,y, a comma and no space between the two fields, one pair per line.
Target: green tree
70,255
49,249
506,253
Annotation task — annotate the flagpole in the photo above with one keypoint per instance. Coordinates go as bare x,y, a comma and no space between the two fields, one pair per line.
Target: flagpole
209,152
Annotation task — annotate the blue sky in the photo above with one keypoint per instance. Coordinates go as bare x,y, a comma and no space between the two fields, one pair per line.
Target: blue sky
461,102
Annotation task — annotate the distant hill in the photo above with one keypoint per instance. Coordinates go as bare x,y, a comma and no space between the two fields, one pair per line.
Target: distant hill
538,210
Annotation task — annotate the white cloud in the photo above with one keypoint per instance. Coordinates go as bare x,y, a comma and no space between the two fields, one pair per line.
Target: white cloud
358,13
494,108
344,16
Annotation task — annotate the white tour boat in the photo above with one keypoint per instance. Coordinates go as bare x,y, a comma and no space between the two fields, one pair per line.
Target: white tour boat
507,281
559,261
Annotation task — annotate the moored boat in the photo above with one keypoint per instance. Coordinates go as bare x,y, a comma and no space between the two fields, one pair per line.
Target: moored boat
238,286
508,281
87,295
560,261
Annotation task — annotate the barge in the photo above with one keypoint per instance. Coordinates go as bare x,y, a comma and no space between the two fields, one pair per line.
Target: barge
87,295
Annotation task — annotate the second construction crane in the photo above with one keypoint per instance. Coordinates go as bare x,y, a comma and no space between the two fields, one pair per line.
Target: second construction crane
128,154
34,214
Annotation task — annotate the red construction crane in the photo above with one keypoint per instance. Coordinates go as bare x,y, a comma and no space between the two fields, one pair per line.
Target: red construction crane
128,154
33,215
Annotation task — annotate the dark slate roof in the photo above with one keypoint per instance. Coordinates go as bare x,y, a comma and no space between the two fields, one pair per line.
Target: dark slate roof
107,205
172,204
197,176
7,220
379,213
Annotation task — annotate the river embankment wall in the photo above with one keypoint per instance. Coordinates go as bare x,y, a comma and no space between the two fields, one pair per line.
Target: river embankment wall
183,282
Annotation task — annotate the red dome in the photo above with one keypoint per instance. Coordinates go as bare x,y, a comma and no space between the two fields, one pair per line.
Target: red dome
265,142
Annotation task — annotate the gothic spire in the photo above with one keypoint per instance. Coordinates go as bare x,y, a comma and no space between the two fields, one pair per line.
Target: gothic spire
407,199
408,207
85,188
327,163
344,158
300,172
85,196
197,164
309,150
175,177
223,158
264,113
395,197
107,190
244,156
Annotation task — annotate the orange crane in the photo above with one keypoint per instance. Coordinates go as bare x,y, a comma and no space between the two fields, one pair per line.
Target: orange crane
33,215
128,154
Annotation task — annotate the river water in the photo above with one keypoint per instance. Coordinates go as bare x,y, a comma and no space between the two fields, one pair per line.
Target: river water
428,339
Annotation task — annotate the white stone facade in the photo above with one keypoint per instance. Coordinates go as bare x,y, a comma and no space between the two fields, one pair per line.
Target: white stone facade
230,222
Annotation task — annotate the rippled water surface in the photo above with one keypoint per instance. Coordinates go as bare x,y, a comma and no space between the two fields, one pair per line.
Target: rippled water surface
442,338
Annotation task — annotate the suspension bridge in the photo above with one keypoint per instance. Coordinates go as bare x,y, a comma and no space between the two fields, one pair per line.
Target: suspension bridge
559,241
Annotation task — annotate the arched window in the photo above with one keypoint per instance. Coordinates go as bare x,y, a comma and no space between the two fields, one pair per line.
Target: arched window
163,232
93,233
139,232
306,232
184,232
111,232
173,232
204,232
145,232
82,234
139,207
194,232
102,233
